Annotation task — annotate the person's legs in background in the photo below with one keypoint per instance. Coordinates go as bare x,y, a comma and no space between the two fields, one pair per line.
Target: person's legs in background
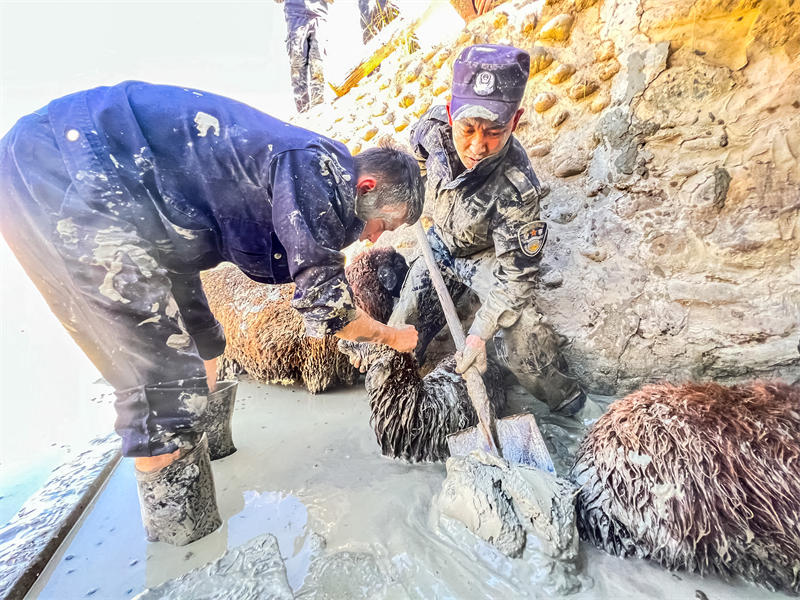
316,58
297,45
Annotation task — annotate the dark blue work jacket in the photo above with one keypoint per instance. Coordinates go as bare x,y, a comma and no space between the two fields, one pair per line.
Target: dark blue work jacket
208,179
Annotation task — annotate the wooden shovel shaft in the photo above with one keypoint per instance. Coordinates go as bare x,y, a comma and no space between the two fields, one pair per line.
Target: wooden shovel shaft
475,386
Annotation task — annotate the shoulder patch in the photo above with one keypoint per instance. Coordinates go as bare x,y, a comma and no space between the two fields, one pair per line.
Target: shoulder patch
527,189
532,237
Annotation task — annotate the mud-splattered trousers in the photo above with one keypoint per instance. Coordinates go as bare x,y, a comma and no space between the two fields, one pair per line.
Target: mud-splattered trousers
487,237
306,47
375,15
114,199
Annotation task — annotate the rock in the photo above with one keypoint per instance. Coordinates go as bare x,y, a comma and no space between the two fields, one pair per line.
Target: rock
422,108
570,166
500,20
412,73
539,150
529,26
540,60
593,253
369,133
559,118
441,57
608,70
407,100
605,51
599,103
561,74
544,101
562,216
582,90
552,279
557,29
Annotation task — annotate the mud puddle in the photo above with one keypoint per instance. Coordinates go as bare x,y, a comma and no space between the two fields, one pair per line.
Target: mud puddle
349,523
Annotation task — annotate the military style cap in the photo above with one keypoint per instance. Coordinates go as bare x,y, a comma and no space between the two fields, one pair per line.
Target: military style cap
489,82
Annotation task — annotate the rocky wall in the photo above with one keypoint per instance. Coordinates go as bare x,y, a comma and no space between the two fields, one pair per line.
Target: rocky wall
668,132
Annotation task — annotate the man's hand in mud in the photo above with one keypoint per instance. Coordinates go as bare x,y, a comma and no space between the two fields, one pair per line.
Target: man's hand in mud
404,339
356,362
474,354
211,373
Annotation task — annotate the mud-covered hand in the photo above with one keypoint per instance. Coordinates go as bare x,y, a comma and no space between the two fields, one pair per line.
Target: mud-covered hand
474,354
211,373
405,338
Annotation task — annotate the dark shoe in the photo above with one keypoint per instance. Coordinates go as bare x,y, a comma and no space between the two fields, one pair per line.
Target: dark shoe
216,421
178,502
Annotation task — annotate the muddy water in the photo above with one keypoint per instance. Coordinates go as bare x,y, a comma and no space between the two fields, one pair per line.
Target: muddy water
349,523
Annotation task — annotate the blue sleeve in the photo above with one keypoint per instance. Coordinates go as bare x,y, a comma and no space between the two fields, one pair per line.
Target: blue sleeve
200,323
305,185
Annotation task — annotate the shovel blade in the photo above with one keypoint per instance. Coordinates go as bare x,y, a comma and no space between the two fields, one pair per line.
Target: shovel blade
520,441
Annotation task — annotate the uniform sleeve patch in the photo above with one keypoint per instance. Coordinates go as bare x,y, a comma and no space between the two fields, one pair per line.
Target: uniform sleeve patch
532,237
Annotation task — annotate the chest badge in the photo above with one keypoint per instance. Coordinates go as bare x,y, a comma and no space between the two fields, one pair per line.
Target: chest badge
484,83
532,237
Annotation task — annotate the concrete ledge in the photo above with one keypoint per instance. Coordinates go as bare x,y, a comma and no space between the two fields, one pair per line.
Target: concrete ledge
31,538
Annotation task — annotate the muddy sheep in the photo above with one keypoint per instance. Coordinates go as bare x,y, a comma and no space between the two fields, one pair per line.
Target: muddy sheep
266,336
698,477
413,415
376,277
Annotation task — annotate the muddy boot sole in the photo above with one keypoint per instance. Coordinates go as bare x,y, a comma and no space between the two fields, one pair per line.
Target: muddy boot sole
178,502
216,421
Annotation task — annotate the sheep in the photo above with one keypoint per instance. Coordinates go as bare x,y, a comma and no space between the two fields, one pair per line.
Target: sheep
266,336
411,415
376,277
699,477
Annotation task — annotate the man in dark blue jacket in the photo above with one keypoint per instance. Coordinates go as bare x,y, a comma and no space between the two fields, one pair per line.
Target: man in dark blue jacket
114,199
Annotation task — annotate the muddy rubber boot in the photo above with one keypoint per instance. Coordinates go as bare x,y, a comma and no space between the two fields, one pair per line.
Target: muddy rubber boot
178,502
216,421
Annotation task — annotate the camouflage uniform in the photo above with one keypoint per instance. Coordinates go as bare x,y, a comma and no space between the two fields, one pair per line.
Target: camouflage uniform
114,200
487,237
305,43
375,15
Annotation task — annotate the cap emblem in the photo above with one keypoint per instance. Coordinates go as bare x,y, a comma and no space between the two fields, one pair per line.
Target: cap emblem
484,83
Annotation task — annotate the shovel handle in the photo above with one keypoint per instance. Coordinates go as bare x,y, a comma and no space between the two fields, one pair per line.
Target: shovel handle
441,289
475,386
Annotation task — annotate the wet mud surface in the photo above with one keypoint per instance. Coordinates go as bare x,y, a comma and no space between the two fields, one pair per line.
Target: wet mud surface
309,472
44,520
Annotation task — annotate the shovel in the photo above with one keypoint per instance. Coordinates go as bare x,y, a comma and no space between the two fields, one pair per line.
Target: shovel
516,438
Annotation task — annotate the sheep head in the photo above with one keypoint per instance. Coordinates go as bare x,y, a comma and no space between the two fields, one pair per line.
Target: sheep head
376,277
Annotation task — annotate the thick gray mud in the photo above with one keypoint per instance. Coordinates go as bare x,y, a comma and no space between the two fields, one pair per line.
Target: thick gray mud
308,471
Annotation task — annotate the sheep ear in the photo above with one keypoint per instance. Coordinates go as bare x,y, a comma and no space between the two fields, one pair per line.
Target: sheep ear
387,277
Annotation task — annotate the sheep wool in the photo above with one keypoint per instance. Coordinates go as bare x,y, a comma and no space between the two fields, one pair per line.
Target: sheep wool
266,336
700,477
411,415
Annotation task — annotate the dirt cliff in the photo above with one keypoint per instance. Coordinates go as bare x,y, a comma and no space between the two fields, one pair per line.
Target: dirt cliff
668,132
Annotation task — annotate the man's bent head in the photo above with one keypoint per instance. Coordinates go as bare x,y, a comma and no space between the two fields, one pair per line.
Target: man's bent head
488,85
389,190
